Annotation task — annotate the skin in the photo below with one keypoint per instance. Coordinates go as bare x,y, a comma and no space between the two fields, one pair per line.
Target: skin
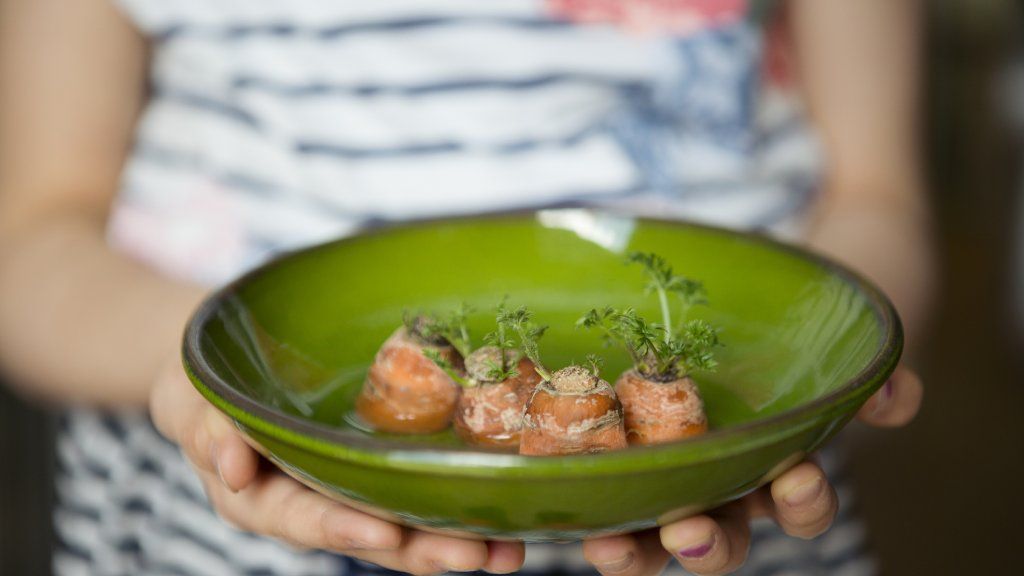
72,82
656,412
491,414
405,392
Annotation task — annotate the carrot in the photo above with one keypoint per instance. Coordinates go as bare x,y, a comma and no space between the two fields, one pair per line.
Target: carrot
661,401
660,411
496,381
574,412
405,392
490,413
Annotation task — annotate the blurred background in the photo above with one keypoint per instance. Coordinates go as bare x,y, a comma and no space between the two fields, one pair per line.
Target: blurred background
942,495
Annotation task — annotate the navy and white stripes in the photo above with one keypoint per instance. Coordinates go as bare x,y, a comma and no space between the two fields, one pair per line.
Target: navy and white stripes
128,504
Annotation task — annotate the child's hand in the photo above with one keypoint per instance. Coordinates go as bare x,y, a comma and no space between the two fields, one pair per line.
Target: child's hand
263,500
801,501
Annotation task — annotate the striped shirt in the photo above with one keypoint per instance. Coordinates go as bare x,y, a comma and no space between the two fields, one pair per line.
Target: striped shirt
273,125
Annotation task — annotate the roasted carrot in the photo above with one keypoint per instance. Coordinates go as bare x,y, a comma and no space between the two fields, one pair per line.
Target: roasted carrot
661,401
405,392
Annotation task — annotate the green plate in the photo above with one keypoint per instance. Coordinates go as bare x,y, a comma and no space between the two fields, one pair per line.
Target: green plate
283,352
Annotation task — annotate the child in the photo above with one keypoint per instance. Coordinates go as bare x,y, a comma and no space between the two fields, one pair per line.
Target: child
152,149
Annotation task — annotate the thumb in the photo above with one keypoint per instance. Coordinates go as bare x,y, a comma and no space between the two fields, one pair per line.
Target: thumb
896,402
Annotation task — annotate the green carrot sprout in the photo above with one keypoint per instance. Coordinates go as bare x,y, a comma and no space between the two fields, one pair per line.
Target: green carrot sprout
426,327
663,351
450,329
662,281
445,365
595,362
502,340
520,321
458,332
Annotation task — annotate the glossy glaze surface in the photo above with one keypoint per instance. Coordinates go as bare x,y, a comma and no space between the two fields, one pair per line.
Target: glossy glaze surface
284,351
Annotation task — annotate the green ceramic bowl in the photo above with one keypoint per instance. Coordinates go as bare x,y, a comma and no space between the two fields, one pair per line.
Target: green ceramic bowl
283,352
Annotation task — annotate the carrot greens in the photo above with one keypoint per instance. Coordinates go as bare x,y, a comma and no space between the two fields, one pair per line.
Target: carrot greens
448,368
448,329
436,329
499,358
500,338
520,321
664,351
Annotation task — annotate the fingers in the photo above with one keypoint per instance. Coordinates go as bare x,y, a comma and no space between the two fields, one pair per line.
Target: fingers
710,544
169,406
805,503
613,555
425,553
896,403
275,505
278,506
504,557
639,554
236,463
205,435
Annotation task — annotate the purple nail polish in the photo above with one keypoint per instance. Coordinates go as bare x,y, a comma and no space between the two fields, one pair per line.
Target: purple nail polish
697,551
881,400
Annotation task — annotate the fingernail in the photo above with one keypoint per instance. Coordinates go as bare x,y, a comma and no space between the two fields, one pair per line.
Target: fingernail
365,546
214,456
804,493
700,549
620,565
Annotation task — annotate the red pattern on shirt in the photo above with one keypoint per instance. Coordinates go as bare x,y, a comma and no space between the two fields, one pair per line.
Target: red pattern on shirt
651,16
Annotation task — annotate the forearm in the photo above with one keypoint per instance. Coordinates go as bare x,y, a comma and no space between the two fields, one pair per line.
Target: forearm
858,64
80,323
887,241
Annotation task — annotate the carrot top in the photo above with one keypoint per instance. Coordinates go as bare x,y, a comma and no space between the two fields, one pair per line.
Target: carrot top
508,351
440,330
497,361
663,351
520,322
